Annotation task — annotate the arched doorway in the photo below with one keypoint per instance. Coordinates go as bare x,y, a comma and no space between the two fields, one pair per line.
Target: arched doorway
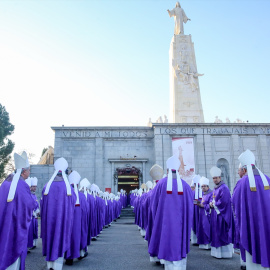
223,164
128,178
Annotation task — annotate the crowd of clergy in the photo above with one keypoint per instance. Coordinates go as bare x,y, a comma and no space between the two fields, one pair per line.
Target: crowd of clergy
171,215
72,211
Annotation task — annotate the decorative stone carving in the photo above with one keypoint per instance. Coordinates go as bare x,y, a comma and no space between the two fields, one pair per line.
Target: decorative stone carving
228,120
192,80
183,56
195,119
188,103
217,120
149,124
188,77
184,119
165,119
239,120
159,120
180,17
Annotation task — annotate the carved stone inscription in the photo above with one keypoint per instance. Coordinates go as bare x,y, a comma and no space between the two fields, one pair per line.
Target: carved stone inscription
105,134
213,131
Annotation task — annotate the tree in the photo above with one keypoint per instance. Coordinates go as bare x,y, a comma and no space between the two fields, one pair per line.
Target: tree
6,145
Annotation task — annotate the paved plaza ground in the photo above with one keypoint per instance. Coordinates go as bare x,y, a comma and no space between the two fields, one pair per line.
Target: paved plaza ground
122,247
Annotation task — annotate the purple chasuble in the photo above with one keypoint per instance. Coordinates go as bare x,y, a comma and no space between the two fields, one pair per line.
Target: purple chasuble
146,207
100,213
73,250
172,220
91,216
203,228
252,218
142,212
222,225
33,228
57,212
85,220
15,218
196,210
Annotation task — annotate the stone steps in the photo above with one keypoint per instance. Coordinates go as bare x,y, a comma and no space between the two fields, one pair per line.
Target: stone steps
127,212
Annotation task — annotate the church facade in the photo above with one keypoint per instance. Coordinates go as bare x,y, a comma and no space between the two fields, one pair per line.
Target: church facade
121,157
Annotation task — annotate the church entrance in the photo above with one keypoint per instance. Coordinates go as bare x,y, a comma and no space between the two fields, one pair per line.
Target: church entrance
128,178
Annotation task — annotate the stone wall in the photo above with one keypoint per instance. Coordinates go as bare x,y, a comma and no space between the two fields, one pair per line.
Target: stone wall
217,145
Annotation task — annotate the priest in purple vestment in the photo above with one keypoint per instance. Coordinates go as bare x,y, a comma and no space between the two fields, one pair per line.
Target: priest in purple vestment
171,209
94,220
57,211
203,227
33,228
250,201
16,207
80,223
197,196
222,222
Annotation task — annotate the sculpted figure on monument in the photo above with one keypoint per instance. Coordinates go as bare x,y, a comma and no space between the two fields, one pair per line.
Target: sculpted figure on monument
180,17
192,80
217,120
159,120
239,120
188,78
184,56
149,124
182,76
228,120
165,119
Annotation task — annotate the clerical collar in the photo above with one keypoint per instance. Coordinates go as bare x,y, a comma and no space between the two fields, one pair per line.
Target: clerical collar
207,192
219,184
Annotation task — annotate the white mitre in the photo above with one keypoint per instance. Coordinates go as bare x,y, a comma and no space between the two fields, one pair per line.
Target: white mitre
21,162
83,185
215,172
247,159
204,181
74,178
28,181
59,165
156,172
94,188
34,181
196,179
173,163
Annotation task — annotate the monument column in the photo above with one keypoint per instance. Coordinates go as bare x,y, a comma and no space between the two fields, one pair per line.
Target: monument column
185,97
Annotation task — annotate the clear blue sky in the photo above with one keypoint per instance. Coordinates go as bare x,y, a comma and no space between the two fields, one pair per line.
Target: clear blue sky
84,62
